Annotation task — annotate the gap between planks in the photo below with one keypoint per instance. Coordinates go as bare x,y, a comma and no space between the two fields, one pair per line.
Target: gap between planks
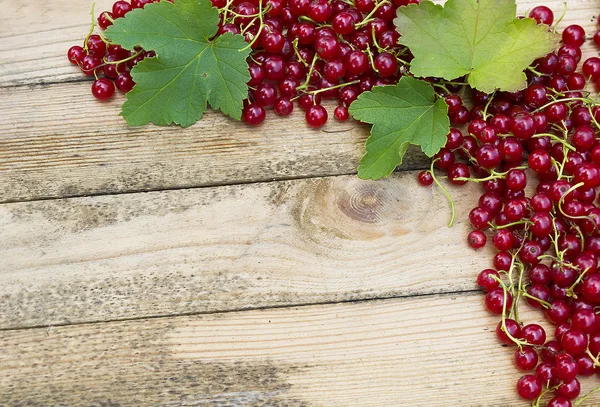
321,240
433,351
439,294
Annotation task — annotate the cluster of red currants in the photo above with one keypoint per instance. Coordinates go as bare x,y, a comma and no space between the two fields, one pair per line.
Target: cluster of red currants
108,62
310,50
547,236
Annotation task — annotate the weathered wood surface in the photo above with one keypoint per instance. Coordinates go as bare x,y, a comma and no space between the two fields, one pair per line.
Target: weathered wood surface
232,247
57,141
431,351
219,252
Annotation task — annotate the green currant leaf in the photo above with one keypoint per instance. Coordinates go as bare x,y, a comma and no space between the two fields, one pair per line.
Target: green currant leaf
404,114
191,68
479,38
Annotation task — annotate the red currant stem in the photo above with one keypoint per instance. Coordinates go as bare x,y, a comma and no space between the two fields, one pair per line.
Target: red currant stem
564,12
121,61
510,270
594,358
295,46
108,17
85,42
367,19
225,9
559,167
487,105
437,182
562,198
549,389
545,304
570,290
532,69
341,85
581,237
493,175
310,71
582,399
260,27
516,341
439,85
515,304
509,225
370,55
379,49
555,137
559,254
593,117
307,18
586,100
246,28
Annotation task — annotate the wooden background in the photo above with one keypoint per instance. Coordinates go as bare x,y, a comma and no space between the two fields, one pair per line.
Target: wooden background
220,265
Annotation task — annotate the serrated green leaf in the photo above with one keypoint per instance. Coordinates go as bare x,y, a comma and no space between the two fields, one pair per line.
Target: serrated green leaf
191,68
478,38
404,114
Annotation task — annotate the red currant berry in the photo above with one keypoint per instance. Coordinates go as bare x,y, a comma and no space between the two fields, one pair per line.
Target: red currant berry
103,89
254,114
316,116
529,387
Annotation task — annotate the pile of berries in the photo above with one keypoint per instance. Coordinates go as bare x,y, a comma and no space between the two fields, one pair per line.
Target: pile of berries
547,236
311,50
303,51
108,62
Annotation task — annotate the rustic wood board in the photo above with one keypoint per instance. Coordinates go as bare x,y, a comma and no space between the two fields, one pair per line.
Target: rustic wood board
58,141
240,257
232,247
431,351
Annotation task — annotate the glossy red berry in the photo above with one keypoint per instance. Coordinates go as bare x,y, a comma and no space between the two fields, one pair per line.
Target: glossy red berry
529,387
254,114
103,88
316,116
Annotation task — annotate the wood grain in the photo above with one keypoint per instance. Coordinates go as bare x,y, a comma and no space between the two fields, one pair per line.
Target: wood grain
51,149
229,248
37,34
57,141
432,351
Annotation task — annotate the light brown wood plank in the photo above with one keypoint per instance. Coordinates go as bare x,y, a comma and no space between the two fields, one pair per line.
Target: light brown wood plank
37,34
59,142
229,248
434,351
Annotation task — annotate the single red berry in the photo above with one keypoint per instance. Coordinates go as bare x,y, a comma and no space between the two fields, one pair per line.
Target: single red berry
120,8
75,54
574,35
494,300
105,19
124,82
103,88
316,116
513,329
542,15
529,387
254,114
341,113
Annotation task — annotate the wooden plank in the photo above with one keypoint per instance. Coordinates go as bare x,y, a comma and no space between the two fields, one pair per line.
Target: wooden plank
33,49
230,248
59,142
434,351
